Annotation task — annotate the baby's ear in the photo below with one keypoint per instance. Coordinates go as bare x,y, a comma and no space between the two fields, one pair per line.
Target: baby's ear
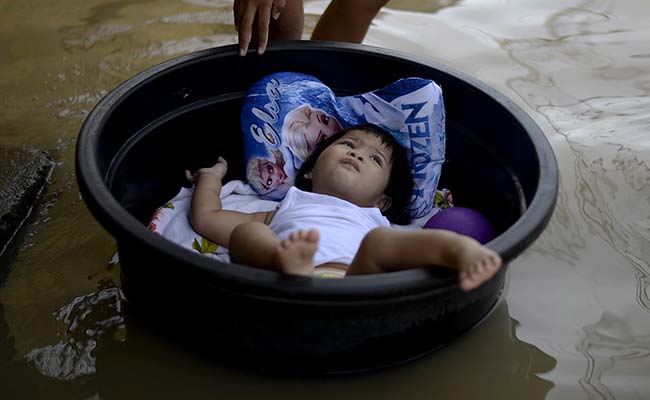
384,203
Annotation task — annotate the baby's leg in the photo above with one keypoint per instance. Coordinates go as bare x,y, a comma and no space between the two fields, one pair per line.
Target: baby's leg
255,244
387,249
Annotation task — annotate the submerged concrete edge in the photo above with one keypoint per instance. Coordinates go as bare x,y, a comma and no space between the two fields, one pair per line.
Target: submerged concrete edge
24,173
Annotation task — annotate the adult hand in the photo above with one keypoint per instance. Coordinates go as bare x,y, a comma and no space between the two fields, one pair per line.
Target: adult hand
259,13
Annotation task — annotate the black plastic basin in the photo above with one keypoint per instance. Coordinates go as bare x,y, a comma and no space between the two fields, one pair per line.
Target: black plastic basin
135,145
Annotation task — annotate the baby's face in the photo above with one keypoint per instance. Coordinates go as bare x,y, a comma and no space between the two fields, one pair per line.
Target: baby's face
356,168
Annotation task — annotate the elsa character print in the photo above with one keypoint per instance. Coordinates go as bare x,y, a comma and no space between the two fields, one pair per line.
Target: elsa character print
304,128
266,175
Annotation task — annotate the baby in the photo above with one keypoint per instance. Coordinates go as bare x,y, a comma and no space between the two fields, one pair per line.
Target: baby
336,217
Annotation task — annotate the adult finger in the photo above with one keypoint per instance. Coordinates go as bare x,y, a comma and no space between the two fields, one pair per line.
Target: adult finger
263,20
245,27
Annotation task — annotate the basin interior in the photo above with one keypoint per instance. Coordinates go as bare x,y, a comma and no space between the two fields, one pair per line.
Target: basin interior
148,169
183,114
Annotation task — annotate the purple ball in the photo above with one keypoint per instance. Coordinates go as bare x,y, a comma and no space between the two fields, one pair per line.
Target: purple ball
464,221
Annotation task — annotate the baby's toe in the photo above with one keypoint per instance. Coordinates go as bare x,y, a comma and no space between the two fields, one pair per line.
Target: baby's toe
496,260
493,264
475,270
312,235
467,283
481,265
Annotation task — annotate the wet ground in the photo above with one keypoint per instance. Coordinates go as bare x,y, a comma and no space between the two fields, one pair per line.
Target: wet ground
574,323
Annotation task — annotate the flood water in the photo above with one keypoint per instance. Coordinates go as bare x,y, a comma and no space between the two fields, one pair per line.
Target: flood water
575,322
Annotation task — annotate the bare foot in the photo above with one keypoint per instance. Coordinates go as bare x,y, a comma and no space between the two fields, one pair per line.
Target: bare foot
476,265
296,253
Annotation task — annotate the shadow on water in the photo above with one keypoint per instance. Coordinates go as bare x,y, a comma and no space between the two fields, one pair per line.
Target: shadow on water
106,352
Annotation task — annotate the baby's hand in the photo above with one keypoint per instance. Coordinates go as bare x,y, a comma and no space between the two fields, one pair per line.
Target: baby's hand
219,169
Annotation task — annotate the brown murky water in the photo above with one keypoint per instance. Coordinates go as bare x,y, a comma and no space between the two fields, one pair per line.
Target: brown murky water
575,321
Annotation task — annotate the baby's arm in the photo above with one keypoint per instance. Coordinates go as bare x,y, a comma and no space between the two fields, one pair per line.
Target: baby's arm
206,213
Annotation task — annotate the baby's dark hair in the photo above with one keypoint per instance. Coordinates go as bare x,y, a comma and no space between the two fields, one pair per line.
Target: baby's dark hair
400,182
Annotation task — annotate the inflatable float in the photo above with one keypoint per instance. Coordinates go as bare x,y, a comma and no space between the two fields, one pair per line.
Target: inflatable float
135,145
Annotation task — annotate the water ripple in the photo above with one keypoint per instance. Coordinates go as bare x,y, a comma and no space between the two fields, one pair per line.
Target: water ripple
88,318
97,34
566,82
606,343
204,17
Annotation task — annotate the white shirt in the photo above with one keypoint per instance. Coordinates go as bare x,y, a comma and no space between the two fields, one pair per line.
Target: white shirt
342,225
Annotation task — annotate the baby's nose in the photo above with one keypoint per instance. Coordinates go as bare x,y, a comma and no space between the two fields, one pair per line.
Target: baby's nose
356,155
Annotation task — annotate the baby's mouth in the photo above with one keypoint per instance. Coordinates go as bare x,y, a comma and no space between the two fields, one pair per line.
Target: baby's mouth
353,163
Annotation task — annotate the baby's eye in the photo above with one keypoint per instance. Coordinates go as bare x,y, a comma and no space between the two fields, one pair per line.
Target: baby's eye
326,119
269,182
347,143
377,159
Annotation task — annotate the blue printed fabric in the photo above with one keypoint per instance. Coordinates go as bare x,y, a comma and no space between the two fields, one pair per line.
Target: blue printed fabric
286,115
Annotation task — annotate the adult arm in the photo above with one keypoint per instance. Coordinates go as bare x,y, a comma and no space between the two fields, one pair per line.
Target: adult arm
347,20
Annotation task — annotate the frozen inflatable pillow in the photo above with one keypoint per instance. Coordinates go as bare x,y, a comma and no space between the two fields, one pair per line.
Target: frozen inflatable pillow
286,115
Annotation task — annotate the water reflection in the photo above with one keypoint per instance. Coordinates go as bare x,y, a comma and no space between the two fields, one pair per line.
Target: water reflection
607,342
114,344
88,318
592,92
102,350
605,134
